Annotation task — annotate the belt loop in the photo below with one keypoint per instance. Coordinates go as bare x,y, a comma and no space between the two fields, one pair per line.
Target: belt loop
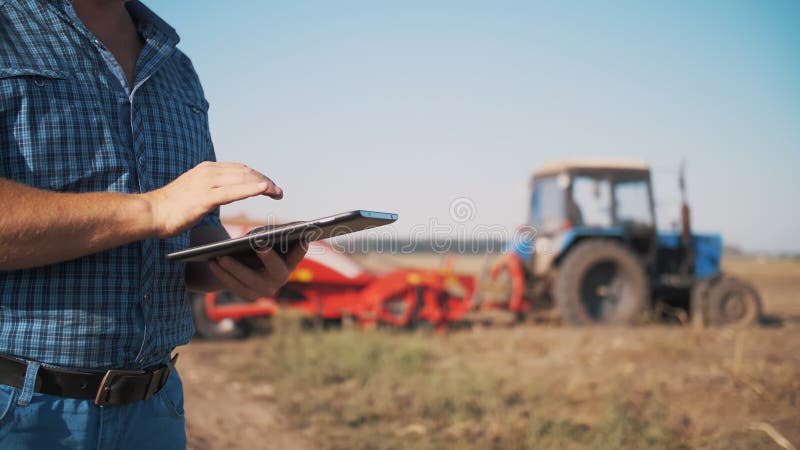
30,383
170,368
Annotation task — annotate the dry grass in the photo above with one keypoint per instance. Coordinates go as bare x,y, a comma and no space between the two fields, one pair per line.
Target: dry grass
526,388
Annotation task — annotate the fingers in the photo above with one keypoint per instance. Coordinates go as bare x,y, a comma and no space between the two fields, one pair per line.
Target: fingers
261,283
276,268
221,174
249,176
232,283
229,177
296,254
229,194
251,284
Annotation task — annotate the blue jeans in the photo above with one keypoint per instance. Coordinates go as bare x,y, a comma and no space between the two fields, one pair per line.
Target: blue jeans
51,422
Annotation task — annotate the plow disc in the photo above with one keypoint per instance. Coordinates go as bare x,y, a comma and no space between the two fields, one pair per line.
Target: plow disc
405,299
503,285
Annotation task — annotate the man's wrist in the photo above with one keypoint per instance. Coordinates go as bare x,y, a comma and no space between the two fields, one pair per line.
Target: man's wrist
143,217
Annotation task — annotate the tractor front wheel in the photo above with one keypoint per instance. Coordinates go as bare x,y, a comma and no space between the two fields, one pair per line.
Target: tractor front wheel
698,298
732,302
600,282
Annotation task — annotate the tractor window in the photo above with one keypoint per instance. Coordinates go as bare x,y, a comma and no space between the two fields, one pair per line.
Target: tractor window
633,203
547,205
591,202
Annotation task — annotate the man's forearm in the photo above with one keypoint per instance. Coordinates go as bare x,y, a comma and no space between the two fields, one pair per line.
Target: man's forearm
39,227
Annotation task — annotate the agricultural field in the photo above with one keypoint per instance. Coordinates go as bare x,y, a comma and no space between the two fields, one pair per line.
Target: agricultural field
527,386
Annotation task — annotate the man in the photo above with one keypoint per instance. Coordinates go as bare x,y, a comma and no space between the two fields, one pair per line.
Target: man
106,165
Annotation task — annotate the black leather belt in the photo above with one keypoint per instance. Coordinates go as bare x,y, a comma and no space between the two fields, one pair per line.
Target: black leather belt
113,387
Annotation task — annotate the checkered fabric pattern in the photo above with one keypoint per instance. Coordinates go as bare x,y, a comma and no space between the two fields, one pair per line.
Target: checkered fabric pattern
69,122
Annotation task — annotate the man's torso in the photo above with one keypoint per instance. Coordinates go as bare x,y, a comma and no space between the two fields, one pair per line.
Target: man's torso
68,123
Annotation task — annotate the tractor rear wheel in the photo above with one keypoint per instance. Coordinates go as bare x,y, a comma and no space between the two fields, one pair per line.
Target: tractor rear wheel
733,303
222,330
600,282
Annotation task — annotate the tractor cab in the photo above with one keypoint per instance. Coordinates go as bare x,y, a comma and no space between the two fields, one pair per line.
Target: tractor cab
575,199
599,195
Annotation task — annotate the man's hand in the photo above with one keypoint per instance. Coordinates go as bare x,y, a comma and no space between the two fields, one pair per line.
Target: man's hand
40,227
251,284
182,203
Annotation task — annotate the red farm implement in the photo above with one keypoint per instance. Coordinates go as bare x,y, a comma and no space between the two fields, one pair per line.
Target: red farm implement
330,286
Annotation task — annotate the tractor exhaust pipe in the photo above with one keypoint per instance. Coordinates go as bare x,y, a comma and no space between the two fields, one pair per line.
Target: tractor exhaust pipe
686,221
686,226
687,267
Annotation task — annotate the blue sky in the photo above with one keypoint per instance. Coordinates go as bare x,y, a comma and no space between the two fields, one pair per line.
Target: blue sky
406,106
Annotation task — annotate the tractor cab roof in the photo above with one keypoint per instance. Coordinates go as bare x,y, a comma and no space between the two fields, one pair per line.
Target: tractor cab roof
592,166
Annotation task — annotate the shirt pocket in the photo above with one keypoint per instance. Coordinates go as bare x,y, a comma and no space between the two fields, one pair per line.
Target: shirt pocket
29,91
11,72
178,136
52,131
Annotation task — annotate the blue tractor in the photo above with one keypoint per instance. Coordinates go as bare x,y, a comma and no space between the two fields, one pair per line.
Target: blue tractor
592,250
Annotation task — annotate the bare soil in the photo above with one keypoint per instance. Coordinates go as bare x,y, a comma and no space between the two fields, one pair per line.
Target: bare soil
224,413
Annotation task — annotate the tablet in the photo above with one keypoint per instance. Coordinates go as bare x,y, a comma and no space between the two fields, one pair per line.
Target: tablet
284,237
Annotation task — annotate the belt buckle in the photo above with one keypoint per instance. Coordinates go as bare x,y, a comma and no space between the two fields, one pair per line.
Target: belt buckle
101,399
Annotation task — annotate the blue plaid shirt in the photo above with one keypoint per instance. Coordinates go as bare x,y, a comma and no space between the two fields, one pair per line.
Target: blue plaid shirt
69,122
